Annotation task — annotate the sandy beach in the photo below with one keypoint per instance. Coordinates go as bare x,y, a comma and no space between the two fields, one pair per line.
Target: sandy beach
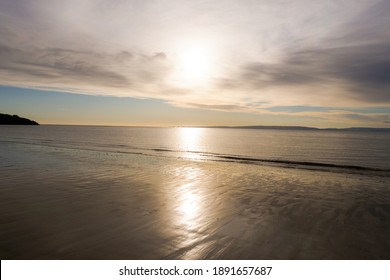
78,204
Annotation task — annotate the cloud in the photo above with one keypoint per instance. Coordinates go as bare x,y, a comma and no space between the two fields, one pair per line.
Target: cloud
267,55
222,107
89,72
60,65
362,72
365,119
297,109
333,117
349,66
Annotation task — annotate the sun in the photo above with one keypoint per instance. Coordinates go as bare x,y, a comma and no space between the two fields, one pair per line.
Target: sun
195,63
194,66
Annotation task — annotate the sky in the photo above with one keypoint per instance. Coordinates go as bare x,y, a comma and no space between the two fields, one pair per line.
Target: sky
179,62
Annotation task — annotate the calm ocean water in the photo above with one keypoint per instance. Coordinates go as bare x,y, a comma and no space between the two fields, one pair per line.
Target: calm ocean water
328,150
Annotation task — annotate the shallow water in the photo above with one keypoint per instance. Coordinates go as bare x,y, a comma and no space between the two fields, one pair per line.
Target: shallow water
277,147
60,201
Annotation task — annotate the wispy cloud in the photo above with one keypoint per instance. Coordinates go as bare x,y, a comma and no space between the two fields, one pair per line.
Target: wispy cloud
360,73
266,55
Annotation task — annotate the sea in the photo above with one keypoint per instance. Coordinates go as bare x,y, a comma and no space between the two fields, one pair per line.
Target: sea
103,192
330,150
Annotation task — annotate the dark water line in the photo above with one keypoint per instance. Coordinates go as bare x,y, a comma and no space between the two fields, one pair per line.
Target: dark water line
306,163
205,156
238,158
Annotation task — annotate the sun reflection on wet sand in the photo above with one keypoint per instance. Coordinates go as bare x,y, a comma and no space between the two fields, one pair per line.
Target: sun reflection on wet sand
189,210
189,205
190,202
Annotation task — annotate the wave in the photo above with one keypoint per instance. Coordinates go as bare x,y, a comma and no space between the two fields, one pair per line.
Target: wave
284,162
303,163
206,156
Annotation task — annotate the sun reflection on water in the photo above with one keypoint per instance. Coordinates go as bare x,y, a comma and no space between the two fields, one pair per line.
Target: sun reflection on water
190,141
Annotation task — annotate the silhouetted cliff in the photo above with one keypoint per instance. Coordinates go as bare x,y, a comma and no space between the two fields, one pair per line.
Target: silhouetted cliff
8,119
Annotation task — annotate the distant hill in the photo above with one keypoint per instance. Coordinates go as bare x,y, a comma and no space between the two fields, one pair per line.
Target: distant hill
278,127
304,128
8,119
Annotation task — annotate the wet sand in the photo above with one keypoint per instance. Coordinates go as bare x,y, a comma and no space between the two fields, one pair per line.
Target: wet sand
77,204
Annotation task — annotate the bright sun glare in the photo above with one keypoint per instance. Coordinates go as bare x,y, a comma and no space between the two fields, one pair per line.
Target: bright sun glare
195,63
193,67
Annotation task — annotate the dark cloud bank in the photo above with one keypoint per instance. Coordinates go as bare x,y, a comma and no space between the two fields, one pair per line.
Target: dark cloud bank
356,59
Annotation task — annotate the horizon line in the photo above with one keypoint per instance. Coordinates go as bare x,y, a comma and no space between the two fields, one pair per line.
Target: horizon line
296,127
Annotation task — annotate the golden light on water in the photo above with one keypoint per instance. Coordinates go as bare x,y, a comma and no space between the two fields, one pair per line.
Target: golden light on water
189,193
190,201
190,139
